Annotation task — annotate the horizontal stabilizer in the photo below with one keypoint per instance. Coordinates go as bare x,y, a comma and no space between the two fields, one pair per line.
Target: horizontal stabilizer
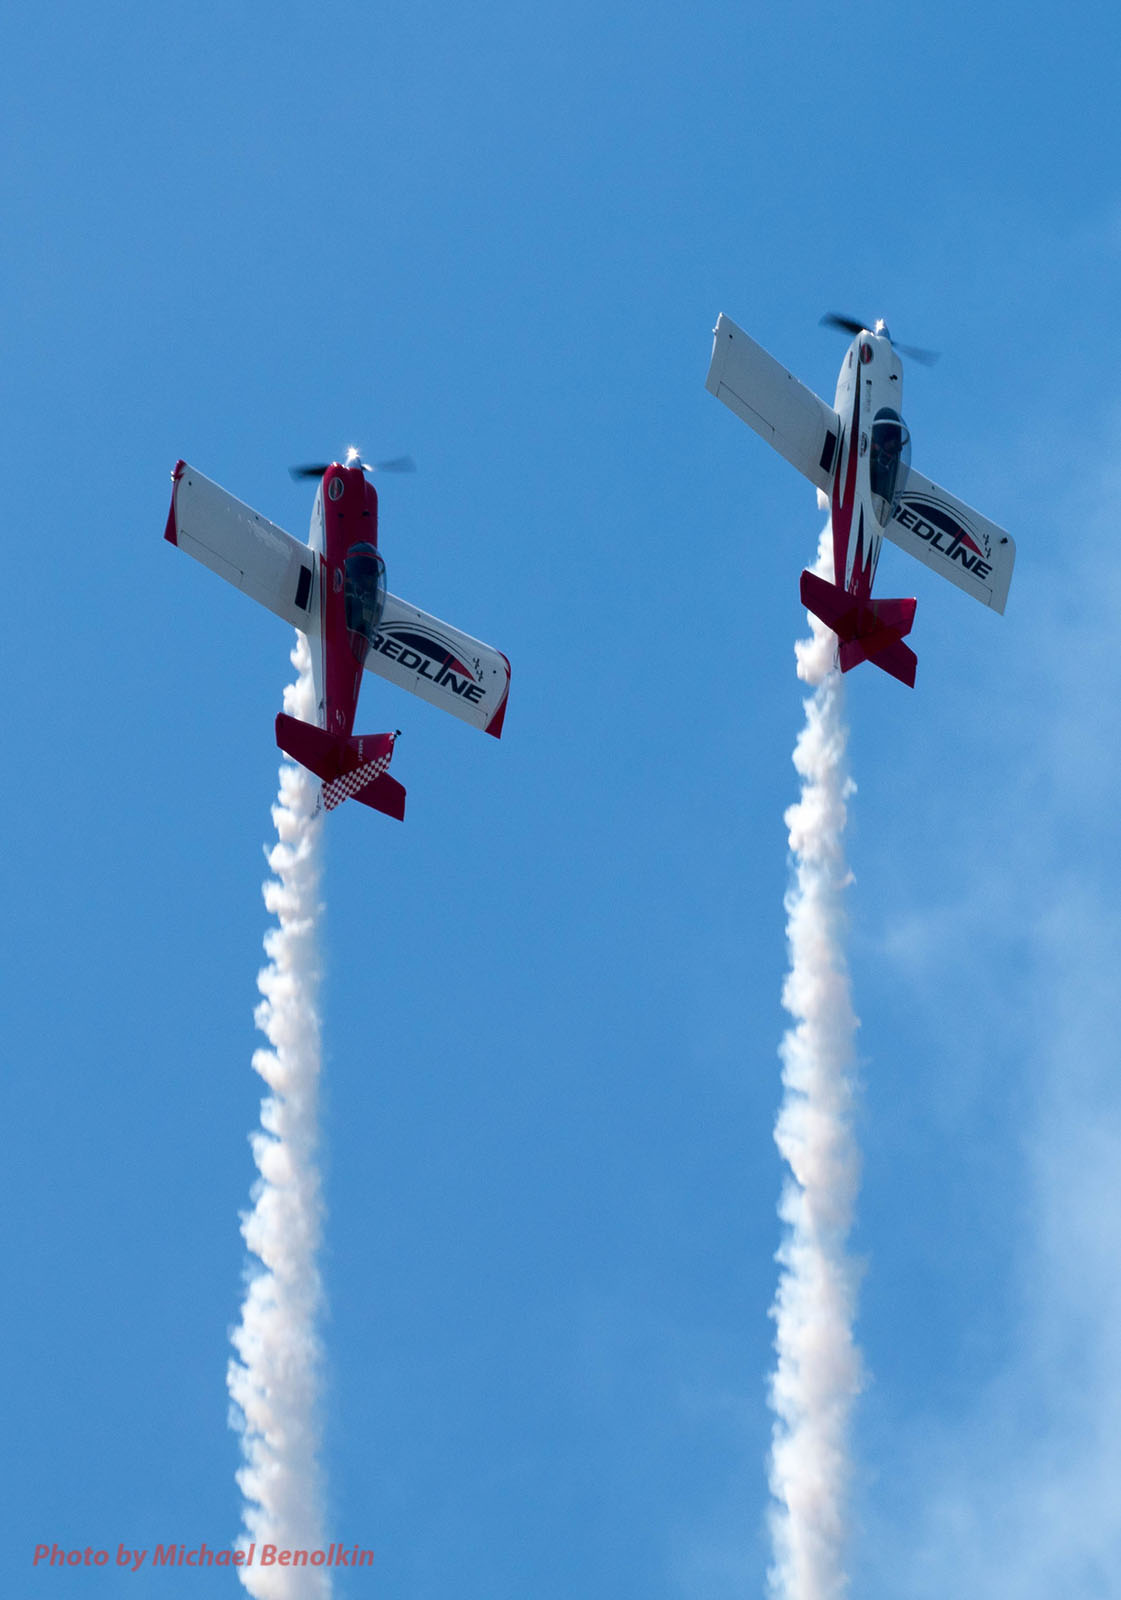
868,630
830,603
889,653
351,769
384,794
312,747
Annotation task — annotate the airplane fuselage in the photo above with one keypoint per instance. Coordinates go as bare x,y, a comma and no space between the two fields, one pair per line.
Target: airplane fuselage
868,404
351,592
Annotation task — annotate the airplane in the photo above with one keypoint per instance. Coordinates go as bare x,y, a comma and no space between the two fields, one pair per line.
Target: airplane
333,589
857,453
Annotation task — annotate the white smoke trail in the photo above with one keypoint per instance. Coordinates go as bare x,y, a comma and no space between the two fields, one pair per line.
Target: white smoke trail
275,1384
818,1371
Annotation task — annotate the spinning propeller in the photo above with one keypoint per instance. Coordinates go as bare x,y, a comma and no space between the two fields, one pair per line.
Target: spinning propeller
850,325
316,469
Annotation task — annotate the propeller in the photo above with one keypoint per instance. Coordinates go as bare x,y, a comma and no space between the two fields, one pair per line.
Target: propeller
316,469
833,319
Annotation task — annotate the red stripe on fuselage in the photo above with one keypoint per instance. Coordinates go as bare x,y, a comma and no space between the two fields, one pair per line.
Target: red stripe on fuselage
858,583
843,501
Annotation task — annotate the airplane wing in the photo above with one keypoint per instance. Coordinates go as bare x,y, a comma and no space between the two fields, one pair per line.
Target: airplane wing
413,650
772,401
441,665
240,545
950,538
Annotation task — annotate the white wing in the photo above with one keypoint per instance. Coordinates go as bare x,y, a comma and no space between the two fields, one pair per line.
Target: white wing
241,546
949,537
772,401
441,665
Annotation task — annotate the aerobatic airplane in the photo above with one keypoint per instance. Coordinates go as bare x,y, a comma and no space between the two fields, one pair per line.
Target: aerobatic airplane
333,590
857,452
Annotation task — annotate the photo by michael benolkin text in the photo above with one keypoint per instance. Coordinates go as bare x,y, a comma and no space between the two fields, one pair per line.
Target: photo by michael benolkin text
181,1555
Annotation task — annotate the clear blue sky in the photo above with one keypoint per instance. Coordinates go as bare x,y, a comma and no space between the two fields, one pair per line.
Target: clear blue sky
499,240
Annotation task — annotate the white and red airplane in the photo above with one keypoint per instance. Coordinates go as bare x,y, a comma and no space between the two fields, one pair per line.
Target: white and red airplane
857,453
333,590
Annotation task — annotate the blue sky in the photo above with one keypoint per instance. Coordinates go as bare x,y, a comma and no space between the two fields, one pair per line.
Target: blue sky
254,236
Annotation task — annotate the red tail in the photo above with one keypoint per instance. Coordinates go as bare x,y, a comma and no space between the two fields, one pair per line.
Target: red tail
351,769
868,630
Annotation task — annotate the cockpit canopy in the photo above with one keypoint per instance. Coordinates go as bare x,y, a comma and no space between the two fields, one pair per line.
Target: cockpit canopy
364,594
889,461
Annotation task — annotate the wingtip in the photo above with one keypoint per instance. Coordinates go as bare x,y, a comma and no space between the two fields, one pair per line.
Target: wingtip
494,726
170,531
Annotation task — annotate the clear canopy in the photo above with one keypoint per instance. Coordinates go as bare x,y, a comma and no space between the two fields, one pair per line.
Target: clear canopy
364,595
890,458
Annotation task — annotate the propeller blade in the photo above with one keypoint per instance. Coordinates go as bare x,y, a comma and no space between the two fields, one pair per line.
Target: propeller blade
926,358
831,319
316,469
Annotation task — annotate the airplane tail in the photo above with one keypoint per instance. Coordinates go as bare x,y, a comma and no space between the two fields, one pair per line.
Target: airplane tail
868,630
351,769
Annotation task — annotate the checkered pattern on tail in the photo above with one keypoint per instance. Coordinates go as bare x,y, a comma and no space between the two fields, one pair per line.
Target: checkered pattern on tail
342,788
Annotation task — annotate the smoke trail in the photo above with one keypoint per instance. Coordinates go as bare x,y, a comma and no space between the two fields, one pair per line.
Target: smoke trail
818,1372
275,1384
